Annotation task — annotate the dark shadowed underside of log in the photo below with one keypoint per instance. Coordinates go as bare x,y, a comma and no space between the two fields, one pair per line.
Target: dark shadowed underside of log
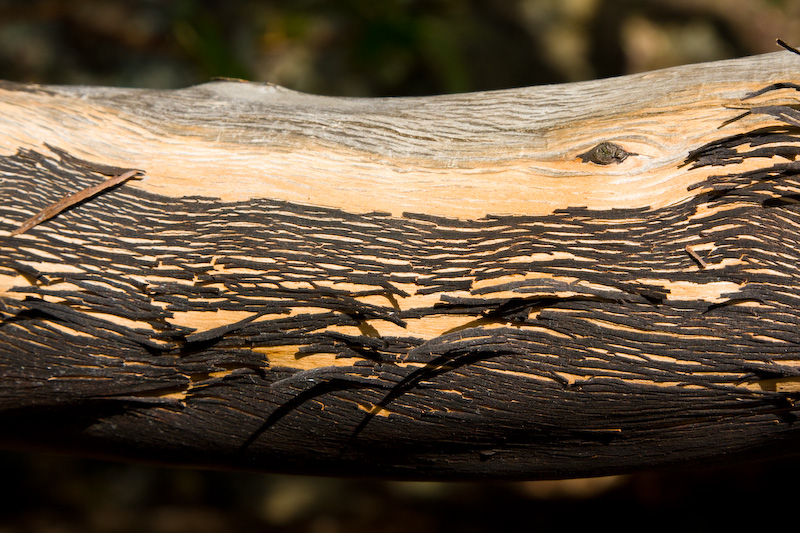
264,332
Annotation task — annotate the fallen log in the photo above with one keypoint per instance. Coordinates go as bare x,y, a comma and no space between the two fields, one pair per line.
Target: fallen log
545,282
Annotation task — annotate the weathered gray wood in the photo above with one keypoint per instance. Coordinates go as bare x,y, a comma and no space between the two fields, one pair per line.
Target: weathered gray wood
542,282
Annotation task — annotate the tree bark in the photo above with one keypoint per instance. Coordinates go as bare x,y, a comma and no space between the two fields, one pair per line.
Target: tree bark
544,282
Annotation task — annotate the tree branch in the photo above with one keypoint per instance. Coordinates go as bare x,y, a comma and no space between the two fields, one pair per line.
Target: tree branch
544,282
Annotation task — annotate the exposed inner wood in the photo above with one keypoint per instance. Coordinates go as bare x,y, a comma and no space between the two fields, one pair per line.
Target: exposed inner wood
505,152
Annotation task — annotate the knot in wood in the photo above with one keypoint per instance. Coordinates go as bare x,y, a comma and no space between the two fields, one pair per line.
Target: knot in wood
605,153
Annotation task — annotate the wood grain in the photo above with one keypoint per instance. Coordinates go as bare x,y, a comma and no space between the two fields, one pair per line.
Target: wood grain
544,282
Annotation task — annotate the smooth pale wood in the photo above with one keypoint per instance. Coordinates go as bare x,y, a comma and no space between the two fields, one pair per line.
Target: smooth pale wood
466,156
427,287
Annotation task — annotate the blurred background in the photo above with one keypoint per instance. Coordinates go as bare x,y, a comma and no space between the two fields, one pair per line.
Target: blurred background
376,48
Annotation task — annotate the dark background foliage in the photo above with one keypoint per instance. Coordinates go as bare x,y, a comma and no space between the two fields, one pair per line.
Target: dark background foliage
375,48
371,47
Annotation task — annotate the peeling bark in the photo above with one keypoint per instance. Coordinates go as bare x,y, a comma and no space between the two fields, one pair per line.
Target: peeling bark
515,284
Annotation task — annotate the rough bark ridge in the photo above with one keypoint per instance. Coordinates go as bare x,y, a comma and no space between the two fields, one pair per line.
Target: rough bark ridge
272,334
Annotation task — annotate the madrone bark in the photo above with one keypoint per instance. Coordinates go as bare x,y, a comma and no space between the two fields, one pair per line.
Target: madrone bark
544,282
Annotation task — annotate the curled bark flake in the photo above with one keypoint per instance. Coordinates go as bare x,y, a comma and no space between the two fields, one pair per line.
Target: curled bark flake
790,48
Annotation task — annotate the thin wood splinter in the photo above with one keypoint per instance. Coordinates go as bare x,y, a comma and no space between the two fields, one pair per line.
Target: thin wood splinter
68,201
694,255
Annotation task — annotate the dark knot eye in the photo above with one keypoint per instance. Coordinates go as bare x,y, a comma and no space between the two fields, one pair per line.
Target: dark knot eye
605,153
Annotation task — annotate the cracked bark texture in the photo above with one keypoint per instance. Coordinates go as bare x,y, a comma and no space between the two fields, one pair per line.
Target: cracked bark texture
545,282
